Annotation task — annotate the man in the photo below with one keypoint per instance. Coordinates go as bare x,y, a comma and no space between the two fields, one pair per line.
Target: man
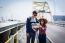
29,30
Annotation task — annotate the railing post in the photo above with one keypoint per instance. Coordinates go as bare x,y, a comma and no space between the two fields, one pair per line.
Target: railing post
4,36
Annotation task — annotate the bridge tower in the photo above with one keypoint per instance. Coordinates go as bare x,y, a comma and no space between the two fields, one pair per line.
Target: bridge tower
43,10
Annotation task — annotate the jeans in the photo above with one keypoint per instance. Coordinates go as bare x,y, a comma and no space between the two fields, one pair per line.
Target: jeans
42,38
32,37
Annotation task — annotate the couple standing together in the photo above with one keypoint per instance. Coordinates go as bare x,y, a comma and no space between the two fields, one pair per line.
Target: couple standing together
31,29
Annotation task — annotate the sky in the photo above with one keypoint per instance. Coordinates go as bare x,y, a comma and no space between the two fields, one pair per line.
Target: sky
15,9
21,9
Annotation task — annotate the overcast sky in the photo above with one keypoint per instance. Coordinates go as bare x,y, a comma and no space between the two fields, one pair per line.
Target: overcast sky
21,9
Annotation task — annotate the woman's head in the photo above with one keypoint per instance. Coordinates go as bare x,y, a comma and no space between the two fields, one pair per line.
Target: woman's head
43,22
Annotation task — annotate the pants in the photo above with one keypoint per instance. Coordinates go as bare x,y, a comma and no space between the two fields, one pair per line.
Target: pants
42,38
32,37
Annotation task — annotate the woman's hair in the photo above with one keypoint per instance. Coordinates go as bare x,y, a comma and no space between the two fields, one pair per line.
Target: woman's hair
44,20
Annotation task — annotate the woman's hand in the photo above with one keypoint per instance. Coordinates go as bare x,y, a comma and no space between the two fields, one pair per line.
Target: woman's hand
40,26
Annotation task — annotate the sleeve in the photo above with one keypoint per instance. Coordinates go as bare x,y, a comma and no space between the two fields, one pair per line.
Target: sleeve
45,29
37,20
27,25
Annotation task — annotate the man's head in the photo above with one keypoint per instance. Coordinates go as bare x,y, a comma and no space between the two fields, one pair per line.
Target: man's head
34,13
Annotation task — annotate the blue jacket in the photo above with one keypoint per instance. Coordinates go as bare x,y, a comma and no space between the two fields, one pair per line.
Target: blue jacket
29,26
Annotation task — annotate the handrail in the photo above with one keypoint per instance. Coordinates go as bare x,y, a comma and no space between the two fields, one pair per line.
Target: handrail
4,29
8,31
11,37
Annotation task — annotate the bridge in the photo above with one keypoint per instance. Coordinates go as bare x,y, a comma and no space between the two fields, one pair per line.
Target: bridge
13,15
15,32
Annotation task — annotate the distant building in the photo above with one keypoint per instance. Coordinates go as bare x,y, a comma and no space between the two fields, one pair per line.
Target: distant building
58,18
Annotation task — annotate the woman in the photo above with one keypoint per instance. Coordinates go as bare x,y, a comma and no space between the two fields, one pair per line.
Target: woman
42,31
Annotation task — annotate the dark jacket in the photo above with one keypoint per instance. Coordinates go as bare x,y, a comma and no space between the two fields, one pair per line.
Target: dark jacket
29,26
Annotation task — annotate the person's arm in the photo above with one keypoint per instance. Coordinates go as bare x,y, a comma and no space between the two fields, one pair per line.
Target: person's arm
27,25
45,29
37,20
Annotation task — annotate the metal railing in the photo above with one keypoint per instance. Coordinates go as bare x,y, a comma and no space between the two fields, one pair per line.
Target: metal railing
10,32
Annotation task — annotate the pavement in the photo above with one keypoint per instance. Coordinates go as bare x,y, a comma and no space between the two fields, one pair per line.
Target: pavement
56,33
22,37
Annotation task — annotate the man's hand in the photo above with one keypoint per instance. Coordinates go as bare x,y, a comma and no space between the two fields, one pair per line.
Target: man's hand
35,28
27,34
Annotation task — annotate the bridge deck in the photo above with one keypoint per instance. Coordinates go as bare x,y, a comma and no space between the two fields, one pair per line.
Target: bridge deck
23,39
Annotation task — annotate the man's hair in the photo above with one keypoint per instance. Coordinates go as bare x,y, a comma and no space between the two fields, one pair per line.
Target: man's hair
34,12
